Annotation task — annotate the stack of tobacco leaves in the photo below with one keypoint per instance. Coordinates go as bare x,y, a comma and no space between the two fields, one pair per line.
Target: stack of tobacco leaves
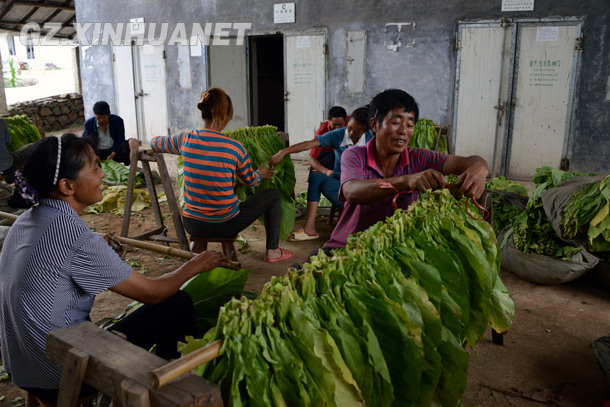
382,322
425,136
262,143
532,230
503,209
587,215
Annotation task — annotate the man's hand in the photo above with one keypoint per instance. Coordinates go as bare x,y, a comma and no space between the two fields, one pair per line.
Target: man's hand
276,159
266,173
329,172
471,182
111,156
422,181
209,260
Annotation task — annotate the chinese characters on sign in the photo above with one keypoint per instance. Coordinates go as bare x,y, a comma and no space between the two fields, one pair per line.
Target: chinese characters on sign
303,73
547,34
517,5
283,13
544,72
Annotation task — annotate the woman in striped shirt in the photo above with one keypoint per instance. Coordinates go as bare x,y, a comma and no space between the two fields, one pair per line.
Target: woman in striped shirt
52,266
212,161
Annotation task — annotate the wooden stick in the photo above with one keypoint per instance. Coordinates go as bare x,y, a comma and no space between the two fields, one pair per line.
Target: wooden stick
171,251
178,367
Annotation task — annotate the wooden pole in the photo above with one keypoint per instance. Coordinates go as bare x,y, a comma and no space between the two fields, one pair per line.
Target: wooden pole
178,367
140,244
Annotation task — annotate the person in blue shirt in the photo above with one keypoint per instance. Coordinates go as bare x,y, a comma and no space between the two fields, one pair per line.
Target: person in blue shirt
356,133
108,133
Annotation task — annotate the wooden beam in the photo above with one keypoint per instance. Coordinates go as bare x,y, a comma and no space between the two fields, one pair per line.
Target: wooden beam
42,5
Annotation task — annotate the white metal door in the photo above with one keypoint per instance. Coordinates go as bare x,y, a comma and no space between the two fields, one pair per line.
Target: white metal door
141,90
305,77
124,89
229,72
543,97
151,92
481,93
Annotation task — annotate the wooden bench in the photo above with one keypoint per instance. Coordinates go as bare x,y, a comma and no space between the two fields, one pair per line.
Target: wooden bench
119,369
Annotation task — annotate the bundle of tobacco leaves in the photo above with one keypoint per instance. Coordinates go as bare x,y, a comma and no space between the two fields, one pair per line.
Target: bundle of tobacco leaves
587,215
382,322
503,208
532,230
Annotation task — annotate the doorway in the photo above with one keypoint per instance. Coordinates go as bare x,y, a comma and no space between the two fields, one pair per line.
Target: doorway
515,91
267,80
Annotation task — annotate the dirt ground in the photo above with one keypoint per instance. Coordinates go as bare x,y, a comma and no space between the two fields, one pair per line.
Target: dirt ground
545,360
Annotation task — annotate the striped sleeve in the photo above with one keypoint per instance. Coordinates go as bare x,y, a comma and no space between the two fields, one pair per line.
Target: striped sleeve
245,172
96,267
332,138
422,159
168,144
353,161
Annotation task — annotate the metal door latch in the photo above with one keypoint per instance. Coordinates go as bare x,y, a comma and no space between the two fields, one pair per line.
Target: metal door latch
501,108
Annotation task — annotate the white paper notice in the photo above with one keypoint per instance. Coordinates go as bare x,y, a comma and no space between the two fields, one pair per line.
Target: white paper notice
547,34
517,5
303,42
148,49
283,13
195,46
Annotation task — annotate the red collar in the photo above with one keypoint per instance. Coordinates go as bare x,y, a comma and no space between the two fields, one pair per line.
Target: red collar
370,155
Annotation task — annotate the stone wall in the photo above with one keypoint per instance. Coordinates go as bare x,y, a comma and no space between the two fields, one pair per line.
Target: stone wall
56,112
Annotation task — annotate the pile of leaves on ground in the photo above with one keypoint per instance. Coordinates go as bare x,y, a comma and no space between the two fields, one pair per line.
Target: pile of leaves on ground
115,197
504,208
22,132
532,230
425,136
587,215
384,321
261,143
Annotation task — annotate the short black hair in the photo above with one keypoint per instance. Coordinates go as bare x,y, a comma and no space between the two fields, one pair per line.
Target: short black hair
392,99
361,116
39,168
101,108
337,111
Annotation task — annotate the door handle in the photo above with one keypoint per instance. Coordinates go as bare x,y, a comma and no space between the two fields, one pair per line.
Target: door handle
286,96
142,93
501,108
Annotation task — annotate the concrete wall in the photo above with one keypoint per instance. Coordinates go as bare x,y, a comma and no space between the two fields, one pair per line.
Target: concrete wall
426,69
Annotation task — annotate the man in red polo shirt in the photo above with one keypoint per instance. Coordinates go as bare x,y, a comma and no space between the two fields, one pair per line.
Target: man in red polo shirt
393,117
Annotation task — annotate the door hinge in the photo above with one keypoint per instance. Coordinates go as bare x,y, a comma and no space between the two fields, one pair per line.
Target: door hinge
164,54
580,43
168,132
565,164
456,45
325,50
113,57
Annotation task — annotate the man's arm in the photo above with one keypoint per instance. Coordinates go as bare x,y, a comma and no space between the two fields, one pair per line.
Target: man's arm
472,170
315,164
297,148
117,132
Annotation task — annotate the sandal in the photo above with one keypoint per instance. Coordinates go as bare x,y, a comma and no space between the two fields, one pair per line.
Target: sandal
286,254
300,235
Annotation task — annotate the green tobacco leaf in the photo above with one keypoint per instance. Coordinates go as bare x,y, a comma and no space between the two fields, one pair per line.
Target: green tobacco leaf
117,173
210,291
502,308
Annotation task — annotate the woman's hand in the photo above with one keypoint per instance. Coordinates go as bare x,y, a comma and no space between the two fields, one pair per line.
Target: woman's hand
276,159
266,173
209,260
